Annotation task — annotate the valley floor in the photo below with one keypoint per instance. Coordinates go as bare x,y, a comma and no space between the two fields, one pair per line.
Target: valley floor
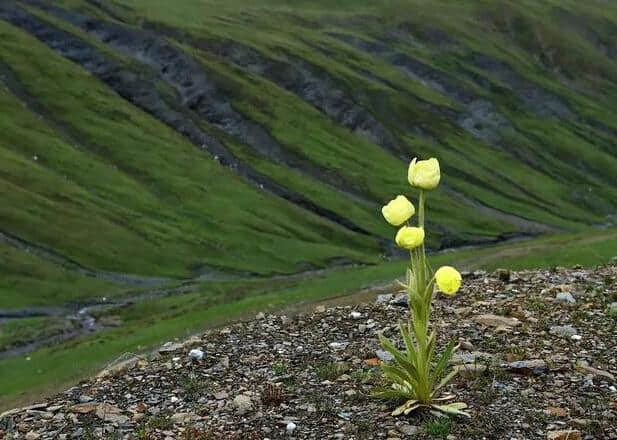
533,366
35,362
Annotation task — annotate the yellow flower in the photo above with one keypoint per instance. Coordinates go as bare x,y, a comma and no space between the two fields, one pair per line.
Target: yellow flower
448,280
409,237
398,211
424,174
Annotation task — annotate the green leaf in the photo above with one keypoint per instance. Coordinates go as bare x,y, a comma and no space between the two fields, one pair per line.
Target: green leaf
430,347
411,349
390,394
401,409
453,408
399,375
399,357
445,381
443,362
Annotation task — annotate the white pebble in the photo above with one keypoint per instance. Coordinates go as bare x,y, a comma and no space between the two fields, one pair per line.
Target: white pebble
196,354
291,427
576,337
174,399
356,315
613,389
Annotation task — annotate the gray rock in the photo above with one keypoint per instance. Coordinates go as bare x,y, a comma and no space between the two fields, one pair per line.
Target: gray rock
536,366
170,347
243,404
565,297
383,299
401,300
408,429
503,275
475,357
384,356
196,354
471,370
564,331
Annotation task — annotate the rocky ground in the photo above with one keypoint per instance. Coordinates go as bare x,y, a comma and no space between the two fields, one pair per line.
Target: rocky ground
538,360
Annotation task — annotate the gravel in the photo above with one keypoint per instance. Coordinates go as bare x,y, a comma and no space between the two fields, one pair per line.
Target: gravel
310,376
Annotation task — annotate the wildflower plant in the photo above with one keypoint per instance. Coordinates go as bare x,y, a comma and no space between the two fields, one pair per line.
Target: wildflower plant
417,375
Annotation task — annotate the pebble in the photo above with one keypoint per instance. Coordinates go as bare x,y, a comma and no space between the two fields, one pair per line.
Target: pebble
565,331
196,354
490,320
565,297
243,404
569,434
384,356
536,366
291,427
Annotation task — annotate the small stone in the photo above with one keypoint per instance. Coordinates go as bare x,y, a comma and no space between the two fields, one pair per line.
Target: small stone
473,357
565,331
383,299
408,430
196,354
84,408
569,434
576,337
182,418
110,413
338,345
260,316
320,309
556,411
243,404
471,370
221,395
384,356
170,347
581,422
586,368
32,435
565,297
401,300
503,275
290,428
355,315
224,362
466,345
536,366
463,311
496,321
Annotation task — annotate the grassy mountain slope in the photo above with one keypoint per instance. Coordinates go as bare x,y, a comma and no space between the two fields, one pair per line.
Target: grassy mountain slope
203,138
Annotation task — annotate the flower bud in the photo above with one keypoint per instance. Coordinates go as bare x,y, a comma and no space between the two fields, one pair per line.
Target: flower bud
424,174
398,211
409,237
448,280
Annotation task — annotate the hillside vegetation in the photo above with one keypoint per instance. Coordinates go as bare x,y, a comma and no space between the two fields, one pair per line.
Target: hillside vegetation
203,138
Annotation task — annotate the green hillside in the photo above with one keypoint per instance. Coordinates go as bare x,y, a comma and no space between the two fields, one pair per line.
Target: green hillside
175,139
